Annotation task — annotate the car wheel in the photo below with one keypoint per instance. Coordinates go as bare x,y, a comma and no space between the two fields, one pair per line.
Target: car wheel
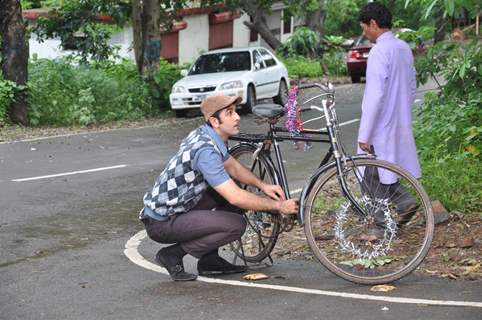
181,113
250,100
282,96
355,78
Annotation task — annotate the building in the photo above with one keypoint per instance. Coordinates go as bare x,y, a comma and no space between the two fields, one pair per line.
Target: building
200,30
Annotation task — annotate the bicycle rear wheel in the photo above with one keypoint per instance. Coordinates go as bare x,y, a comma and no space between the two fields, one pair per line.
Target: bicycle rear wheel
263,227
383,246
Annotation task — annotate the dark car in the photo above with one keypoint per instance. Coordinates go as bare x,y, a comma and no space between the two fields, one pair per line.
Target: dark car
356,59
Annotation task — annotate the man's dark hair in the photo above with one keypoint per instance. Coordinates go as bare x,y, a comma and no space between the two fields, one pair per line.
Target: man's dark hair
217,116
377,12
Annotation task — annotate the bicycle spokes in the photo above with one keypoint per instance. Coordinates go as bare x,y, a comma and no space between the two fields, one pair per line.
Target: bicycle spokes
388,241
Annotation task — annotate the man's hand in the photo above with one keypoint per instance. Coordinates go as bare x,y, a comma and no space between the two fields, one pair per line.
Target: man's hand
365,147
290,206
273,191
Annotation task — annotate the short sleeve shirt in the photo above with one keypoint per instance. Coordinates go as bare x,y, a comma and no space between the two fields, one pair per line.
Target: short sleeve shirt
209,162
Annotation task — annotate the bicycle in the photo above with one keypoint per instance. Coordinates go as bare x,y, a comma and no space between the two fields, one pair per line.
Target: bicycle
340,204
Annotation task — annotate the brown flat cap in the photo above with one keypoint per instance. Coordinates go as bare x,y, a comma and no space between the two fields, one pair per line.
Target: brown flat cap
215,103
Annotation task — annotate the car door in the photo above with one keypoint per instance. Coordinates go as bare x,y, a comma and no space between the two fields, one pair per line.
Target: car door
261,76
274,72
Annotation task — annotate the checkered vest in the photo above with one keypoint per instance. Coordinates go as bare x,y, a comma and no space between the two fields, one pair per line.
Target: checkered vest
179,187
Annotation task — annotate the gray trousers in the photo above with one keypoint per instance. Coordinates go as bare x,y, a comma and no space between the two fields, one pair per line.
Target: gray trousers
202,229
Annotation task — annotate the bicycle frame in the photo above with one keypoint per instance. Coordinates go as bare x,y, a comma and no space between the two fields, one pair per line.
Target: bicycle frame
274,137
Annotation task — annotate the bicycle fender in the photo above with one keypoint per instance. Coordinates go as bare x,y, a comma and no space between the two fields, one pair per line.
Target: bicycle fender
312,179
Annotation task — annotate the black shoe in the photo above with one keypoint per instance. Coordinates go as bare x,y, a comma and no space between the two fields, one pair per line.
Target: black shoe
212,263
171,259
406,215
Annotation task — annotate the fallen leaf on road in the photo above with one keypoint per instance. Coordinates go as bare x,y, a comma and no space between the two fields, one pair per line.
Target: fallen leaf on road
255,276
382,288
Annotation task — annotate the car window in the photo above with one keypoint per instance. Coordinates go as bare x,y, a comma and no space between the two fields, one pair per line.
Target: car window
222,62
363,41
257,58
268,58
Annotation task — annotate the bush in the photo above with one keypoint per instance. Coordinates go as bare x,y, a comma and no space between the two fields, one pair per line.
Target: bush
303,42
64,93
449,127
7,90
335,62
163,80
299,66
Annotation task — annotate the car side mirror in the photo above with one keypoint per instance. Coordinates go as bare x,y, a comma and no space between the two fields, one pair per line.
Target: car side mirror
183,72
257,66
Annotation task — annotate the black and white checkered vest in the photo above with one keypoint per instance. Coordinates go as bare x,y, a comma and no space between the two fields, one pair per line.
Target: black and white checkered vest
179,187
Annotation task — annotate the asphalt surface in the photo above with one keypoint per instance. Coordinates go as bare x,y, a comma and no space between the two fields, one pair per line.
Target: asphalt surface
62,239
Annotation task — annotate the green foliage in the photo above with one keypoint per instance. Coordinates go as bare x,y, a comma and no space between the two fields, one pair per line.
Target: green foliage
303,50
449,127
74,24
451,7
64,93
299,66
335,63
7,91
342,17
417,38
162,82
303,42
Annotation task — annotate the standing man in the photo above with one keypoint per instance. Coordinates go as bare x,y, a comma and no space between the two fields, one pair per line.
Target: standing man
386,121
196,205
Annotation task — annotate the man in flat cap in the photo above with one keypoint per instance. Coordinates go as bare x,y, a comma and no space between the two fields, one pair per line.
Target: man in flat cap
194,202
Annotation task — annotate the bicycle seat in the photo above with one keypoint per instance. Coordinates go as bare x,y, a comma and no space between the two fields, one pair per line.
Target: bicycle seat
269,110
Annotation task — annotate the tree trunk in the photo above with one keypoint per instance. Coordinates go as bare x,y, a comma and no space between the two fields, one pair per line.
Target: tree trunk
260,25
147,35
440,24
151,36
14,51
316,19
137,33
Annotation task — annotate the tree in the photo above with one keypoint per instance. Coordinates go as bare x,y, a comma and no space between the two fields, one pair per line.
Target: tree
257,11
446,8
146,20
14,56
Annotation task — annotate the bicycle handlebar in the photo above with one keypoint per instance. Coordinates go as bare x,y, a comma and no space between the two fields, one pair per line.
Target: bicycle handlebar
328,88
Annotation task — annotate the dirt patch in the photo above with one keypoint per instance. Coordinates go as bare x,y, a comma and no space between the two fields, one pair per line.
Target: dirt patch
456,251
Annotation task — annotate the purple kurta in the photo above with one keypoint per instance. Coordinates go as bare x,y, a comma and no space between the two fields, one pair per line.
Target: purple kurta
386,121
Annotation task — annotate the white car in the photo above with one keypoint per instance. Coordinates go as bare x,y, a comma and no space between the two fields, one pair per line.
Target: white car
251,73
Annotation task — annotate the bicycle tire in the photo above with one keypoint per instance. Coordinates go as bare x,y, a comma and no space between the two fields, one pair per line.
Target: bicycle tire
263,228
336,233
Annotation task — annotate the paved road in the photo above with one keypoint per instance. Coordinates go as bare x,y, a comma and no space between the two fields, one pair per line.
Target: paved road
62,240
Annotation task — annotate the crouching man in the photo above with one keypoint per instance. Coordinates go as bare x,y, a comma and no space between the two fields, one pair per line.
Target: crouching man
195,203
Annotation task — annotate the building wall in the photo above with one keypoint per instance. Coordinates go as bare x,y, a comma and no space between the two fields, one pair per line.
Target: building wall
240,32
194,40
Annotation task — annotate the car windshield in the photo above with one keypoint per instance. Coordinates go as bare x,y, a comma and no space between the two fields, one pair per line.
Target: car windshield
363,41
222,62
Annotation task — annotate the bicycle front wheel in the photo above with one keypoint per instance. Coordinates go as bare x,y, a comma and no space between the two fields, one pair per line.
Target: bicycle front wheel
385,243
263,227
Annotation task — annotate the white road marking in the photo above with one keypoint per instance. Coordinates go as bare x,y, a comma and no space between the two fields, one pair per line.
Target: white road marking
132,253
349,122
69,173
341,124
296,191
